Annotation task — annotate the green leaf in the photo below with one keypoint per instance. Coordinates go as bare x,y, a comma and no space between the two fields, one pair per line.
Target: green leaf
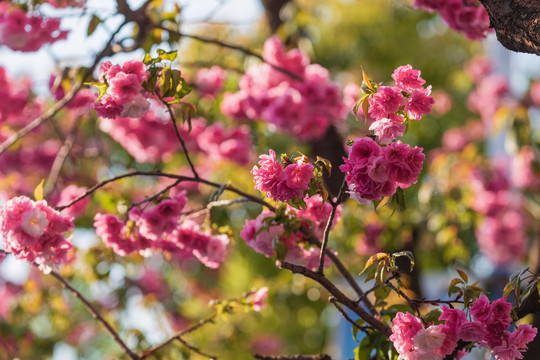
529,290
93,24
38,191
382,292
280,249
326,163
363,351
407,254
508,289
167,55
148,59
102,88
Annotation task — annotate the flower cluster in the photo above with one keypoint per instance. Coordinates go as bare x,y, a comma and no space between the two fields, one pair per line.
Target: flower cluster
390,106
160,228
488,329
210,81
70,193
124,95
283,180
150,138
15,105
501,235
302,108
467,16
33,231
21,31
81,101
272,239
374,171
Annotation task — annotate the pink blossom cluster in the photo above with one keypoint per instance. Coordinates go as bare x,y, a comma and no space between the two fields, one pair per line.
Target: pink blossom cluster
28,164
373,171
258,298
148,138
455,139
304,109
81,101
367,244
523,174
491,92
124,96
33,231
21,31
151,138
210,81
467,16
502,234
280,180
391,105
488,329
266,238
16,109
70,193
161,229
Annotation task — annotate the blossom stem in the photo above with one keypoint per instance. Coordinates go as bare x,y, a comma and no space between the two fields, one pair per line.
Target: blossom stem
335,205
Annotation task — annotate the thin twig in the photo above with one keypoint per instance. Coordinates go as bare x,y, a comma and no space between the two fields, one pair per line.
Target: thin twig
335,205
335,292
341,268
96,315
213,204
49,113
178,136
178,335
346,316
229,46
156,195
60,159
195,349
227,187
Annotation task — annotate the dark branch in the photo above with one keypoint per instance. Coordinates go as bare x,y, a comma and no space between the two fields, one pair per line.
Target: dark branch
516,23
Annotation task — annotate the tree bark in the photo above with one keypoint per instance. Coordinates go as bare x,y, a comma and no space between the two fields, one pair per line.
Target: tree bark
516,23
273,9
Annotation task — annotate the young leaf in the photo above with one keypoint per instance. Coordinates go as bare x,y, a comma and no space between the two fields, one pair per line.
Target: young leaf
93,24
38,191
366,80
463,275
373,258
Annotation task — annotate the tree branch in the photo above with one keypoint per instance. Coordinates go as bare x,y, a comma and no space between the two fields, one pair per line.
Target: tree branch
49,113
335,292
177,336
516,23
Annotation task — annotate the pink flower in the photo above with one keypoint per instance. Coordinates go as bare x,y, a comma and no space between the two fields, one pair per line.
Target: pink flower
70,193
419,103
22,31
523,335
258,298
299,175
259,239
210,81
481,309
388,129
282,185
33,231
404,164
408,79
406,326
385,101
